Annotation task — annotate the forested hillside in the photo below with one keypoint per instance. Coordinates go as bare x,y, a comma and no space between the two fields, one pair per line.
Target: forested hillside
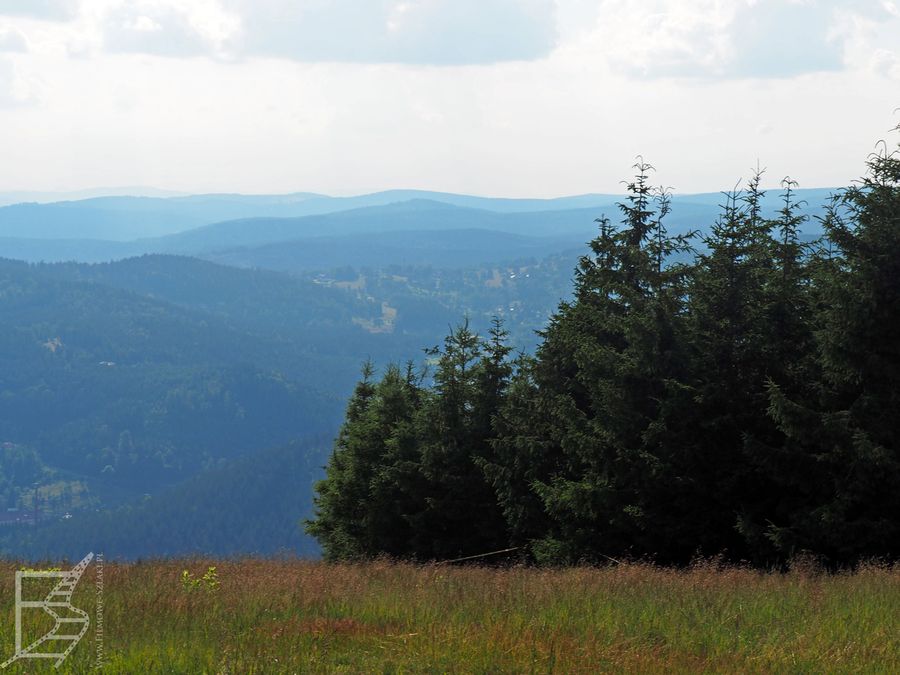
135,392
249,505
740,401
133,380
139,399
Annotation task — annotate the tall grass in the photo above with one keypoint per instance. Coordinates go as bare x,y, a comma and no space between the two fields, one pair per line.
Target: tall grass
270,616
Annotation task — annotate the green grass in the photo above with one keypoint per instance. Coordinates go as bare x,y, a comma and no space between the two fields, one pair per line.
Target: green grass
292,616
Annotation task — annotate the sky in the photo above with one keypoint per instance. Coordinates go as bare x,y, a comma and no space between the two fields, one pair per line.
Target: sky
517,98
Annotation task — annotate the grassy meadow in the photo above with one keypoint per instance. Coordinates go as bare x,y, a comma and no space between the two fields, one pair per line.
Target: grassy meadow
289,616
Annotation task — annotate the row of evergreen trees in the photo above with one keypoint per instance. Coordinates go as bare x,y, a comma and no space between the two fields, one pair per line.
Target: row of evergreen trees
741,400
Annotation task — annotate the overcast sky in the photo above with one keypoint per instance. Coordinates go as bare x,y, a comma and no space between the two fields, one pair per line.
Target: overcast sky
494,97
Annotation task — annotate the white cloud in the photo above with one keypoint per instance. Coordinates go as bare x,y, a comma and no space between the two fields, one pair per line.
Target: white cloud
439,32
783,38
886,63
12,40
173,28
16,88
735,39
344,105
51,10
662,38
6,82
871,35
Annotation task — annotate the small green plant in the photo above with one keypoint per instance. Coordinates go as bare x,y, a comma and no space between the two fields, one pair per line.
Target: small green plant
209,581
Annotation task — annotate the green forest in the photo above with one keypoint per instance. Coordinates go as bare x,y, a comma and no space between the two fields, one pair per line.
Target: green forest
727,394
138,397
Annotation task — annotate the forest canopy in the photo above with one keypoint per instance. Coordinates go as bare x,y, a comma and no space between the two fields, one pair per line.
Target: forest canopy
728,394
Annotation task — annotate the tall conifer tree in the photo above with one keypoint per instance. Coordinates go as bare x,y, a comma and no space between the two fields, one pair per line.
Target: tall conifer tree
848,438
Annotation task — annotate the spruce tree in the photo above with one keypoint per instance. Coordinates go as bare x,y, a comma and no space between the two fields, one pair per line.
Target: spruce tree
585,426
750,325
847,438
407,474
470,379
745,404
373,490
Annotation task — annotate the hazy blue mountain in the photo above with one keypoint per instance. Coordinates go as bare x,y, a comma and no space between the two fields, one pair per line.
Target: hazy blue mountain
772,200
122,218
441,248
416,214
65,250
110,228
112,218
46,197
689,212
418,232
422,216
498,204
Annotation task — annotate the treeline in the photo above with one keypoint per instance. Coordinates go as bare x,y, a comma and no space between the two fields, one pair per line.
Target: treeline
743,402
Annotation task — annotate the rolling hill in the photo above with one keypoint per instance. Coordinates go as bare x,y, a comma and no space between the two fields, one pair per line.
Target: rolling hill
131,392
124,218
80,237
149,388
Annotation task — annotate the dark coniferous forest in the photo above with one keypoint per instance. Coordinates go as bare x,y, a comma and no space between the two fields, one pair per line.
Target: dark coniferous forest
727,394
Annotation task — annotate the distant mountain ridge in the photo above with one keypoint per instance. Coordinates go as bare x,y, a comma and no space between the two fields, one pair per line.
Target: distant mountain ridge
128,218
232,240
122,218
47,197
